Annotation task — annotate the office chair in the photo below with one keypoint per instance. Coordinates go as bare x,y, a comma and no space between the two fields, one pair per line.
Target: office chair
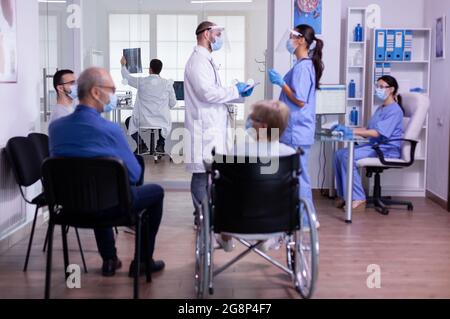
25,156
89,194
416,108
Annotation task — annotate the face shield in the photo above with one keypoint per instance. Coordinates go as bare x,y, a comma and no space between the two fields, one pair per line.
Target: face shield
289,37
218,38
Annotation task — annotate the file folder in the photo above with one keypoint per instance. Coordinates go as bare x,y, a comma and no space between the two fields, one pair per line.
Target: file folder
378,71
390,45
380,45
387,69
399,45
408,45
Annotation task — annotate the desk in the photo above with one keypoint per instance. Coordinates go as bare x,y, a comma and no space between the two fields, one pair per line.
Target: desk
351,147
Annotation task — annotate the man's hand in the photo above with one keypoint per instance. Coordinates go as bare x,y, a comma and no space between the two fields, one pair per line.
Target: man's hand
123,61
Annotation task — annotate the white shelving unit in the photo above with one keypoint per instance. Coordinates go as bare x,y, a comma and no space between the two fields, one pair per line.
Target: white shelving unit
412,74
356,72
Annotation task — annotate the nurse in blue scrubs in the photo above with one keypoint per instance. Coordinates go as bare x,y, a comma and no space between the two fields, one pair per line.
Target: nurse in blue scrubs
299,93
385,125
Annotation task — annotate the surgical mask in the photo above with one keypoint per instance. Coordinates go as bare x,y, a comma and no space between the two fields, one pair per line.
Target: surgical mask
290,47
381,94
112,104
73,94
218,44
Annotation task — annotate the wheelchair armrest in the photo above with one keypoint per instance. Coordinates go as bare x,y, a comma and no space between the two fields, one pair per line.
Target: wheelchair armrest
383,161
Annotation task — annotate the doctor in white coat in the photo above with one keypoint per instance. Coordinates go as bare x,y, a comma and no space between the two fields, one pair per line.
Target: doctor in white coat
155,98
207,119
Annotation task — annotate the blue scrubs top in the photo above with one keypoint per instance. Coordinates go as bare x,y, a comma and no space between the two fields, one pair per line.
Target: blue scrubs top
388,122
302,123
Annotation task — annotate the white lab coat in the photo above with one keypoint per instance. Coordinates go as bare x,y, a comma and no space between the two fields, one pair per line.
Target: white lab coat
155,98
207,117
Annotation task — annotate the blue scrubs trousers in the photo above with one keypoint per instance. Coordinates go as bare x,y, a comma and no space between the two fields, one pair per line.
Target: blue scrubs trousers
305,179
340,169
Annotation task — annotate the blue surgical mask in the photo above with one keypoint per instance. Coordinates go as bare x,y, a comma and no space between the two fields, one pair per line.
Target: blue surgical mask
218,44
112,105
381,94
290,47
73,94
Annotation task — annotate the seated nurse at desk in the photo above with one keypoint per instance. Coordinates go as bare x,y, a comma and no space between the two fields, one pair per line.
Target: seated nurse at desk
385,125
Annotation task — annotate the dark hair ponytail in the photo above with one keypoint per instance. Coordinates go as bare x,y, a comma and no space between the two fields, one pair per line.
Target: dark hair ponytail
310,37
392,82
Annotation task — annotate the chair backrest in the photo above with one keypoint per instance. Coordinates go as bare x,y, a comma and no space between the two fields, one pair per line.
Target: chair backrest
416,108
245,201
24,160
41,143
91,192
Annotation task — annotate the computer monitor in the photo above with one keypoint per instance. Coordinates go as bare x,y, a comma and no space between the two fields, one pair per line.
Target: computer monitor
331,100
179,90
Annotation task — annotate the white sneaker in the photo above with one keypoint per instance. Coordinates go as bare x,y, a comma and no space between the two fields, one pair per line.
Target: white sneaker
226,245
270,244
306,227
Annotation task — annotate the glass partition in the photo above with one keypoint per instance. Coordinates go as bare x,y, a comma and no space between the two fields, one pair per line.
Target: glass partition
78,34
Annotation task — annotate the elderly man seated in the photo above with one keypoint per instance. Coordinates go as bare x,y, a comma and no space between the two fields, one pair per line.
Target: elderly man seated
86,134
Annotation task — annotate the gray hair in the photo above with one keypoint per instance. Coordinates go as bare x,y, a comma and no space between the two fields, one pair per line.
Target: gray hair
88,79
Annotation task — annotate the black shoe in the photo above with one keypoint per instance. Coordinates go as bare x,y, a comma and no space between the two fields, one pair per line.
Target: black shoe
110,266
156,266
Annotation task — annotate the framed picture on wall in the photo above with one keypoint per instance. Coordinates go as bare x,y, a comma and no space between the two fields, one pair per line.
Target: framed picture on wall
309,12
441,34
8,41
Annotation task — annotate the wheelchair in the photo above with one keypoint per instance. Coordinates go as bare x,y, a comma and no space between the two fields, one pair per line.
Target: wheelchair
252,207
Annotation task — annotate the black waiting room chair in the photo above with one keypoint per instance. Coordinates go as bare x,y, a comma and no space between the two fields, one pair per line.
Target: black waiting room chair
25,156
89,194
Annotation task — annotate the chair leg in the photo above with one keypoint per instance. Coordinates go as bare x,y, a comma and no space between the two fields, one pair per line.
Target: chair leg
48,269
381,207
46,240
81,251
391,202
30,243
137,257
148,261
65,249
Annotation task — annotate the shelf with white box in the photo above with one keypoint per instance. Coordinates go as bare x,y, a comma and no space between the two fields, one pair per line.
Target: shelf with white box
410,64
355,72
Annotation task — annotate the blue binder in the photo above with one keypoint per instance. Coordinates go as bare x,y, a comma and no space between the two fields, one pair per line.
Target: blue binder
408,45
378,71
390,45
380,45
399,45
387,69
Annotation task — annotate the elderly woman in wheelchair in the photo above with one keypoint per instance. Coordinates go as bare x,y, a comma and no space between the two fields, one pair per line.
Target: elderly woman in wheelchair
253,197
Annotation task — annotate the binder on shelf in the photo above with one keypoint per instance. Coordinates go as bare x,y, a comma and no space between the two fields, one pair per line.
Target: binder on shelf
408,45
387,69
380,45
390,43
399,45
378,71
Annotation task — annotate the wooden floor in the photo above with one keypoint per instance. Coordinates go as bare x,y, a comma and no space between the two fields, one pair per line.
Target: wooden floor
413,251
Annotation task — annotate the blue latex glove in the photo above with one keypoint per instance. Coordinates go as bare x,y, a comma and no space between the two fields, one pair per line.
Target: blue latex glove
276,78
243,91
347,131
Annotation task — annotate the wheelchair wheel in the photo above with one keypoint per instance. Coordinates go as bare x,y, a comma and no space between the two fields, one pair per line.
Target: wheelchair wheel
303,256
202,254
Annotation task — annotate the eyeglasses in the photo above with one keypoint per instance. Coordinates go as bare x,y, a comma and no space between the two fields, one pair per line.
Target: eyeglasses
382,87
70,82
112,88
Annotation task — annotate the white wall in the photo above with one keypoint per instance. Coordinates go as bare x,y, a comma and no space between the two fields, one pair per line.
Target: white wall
20,101
438,151
19,107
